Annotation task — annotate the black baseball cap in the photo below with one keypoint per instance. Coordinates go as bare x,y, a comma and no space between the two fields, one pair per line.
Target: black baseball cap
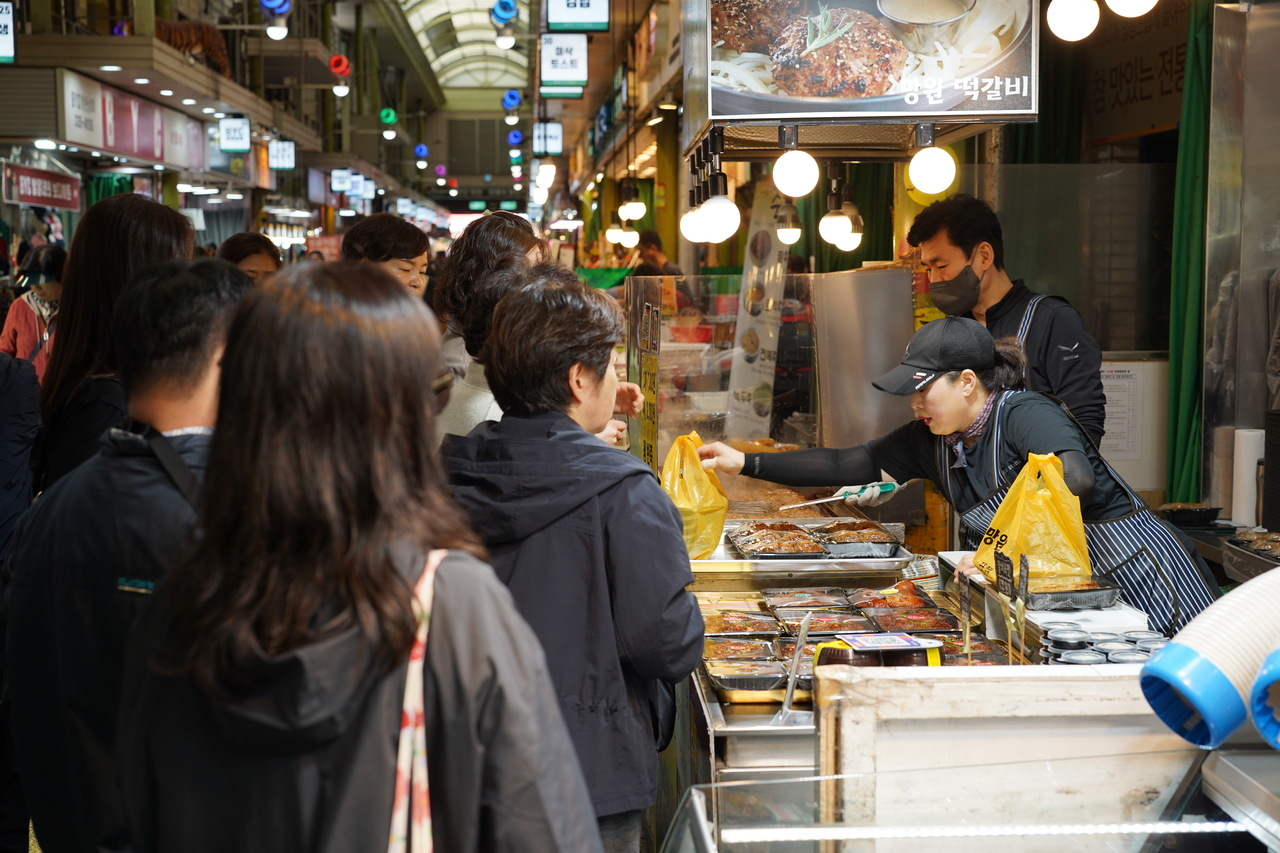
941,346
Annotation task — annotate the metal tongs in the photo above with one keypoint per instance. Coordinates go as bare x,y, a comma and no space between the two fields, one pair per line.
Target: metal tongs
787,716
881,488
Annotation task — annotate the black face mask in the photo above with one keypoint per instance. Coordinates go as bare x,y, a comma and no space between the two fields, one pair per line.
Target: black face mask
957,296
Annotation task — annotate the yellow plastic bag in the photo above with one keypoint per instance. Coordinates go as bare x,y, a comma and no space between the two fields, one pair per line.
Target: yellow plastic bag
1039,517
697,494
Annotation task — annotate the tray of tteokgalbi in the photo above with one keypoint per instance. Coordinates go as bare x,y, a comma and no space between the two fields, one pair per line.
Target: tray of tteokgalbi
778,540
902,594
856,537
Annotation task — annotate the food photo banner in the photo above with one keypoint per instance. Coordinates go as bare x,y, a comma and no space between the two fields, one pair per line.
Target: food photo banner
863,59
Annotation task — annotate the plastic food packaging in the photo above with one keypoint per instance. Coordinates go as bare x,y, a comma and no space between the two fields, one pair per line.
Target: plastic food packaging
1135,636
786,648
1054,594
1040,518
697,494
1068,639
1053,626
1128,657
912,621
719,622
747,675
1104,637
911,657
840,654
975,660
814,599
725,648
1083,658
776,540
826,621
1113,647
953,644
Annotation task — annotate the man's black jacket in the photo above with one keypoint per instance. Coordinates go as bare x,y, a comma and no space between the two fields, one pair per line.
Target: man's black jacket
1063,358
84,560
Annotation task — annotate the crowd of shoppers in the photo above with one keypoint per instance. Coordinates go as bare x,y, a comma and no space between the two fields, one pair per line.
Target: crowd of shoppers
256,606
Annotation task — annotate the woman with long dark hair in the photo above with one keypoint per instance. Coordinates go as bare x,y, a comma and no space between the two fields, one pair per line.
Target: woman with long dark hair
253,253
80,396
266,684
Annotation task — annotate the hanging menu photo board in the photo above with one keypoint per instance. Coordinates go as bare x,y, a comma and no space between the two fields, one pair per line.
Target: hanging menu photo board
779,59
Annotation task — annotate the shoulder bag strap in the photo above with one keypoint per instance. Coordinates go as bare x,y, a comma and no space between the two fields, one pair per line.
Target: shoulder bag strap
178,470
411,808
44,339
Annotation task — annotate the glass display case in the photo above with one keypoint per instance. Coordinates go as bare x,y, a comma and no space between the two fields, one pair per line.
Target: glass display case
954,811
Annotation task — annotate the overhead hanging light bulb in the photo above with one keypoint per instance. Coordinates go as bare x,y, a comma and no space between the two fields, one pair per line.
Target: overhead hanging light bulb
505,38
630,236
788,224
720,216
795,173
614,232
849,209
834,226
1072,20
341,90
279,28
388,134
691,224
932,170
512,117
540,195
1131,8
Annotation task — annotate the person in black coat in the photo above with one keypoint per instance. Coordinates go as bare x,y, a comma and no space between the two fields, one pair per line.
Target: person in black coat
962,245
582,533
86,557
266,686
81,396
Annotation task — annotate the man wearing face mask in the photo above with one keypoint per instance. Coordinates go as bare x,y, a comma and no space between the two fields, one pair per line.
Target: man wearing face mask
962,245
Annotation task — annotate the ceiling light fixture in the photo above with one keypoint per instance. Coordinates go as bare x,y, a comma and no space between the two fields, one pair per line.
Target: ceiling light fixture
341,90
932,170
1072,20
505,37
279,28
788,224
795,173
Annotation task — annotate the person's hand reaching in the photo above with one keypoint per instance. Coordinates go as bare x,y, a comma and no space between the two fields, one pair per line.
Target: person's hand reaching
966,569
630,399
721,457
611,433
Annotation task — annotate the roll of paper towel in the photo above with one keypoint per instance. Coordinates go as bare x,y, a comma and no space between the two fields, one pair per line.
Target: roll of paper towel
1250,447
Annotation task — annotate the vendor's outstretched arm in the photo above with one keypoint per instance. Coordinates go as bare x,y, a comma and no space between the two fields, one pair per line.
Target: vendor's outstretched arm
818,466
1077,471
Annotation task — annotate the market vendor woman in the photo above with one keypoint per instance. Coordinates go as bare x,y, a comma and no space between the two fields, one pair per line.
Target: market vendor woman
973,430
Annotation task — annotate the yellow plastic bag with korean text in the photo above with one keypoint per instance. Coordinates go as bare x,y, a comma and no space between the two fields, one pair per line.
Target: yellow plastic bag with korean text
1039,517
697,494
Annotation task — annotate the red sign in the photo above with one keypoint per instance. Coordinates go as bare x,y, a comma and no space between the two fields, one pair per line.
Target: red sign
132,125
330,246
39,188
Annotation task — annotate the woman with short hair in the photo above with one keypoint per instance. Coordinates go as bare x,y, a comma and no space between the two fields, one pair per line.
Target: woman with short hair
335,592
582,533
401,248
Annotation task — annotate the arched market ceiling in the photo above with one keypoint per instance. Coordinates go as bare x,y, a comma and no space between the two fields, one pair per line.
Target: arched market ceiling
457,37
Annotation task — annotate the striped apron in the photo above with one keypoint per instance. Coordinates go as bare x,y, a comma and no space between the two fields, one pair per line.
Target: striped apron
1136,550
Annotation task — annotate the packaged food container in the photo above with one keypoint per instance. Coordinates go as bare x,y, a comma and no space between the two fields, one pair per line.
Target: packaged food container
1150,646
1128,657
856,538
911,657
1069,639
1109,648
807,599
730,601
751,682
1052,594
826,621
901,594
1054,626
804,681
953,644
774,540
912,621
734,648
1084,658
975,660
1135,636
1104,637
834,654
740,622
786,648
